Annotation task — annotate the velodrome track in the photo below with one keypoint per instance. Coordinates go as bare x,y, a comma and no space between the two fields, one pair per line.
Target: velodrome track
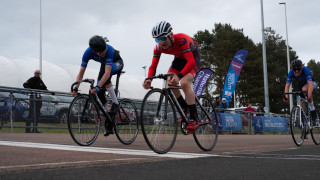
56,156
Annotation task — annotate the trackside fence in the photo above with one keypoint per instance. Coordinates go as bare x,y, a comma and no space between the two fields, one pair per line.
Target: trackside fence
17,114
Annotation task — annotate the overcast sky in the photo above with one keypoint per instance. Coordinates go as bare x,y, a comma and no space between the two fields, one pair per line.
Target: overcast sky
67,26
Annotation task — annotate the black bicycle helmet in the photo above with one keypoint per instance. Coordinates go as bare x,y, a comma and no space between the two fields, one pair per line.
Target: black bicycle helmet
296,64
162,28
97,43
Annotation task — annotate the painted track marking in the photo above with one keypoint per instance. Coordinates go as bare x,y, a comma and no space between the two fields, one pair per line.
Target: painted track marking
179,155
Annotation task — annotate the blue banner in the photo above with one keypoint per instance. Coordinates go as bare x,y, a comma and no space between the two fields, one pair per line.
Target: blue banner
264,123
228,121
233,74
200,80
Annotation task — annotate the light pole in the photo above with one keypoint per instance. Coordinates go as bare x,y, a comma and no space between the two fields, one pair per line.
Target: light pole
40,58
144,67
264,56
288,56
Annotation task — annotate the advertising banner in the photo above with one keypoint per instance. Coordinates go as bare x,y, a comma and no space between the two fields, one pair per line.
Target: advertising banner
229,121
200,80
233,74
264,123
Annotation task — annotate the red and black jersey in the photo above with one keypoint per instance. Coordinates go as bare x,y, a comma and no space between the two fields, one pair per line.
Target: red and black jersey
184,49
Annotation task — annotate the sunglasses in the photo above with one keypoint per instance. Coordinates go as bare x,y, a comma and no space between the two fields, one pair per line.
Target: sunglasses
36,73
296,69
162,38
99,53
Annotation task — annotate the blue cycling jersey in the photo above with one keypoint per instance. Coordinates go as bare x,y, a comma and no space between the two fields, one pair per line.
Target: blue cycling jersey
107,59
304,76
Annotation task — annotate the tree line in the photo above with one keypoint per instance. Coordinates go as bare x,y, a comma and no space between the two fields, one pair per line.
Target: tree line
217,48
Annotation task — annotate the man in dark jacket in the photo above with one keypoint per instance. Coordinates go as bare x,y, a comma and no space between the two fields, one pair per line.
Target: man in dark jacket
35,100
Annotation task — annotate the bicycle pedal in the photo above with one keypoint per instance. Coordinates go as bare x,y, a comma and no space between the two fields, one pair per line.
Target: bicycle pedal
107,133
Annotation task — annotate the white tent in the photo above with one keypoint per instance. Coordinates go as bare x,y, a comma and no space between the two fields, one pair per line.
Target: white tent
15,71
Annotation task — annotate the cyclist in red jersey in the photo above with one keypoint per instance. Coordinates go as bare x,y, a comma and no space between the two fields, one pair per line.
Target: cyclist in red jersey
184,66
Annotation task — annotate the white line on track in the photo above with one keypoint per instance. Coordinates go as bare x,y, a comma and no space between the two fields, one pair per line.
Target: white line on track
179,155
65,163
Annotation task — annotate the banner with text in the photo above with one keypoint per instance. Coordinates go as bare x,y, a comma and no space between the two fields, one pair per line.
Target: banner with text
200,80
228,121
264,123
233,74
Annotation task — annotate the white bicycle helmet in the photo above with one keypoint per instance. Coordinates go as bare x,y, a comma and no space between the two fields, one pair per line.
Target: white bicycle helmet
162,28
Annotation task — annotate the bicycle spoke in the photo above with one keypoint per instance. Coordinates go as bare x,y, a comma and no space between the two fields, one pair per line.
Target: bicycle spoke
205,136
159,127
297,126
83,120
127,122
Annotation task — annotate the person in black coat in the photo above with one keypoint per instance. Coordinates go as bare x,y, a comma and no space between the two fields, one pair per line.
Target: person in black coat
34,82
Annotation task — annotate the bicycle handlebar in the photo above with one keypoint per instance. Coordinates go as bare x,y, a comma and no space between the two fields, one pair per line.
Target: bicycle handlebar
296,92
91,81
160,76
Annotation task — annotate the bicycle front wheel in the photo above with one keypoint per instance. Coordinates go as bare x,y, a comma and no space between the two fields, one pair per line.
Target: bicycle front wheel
158,121
84,120
206,136
297,126
127,122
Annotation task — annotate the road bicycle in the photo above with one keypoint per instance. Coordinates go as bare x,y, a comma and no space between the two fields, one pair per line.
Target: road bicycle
13,109
86,116
159,122
301,122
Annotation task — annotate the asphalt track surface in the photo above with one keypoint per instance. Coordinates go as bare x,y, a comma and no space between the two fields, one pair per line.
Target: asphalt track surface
56,156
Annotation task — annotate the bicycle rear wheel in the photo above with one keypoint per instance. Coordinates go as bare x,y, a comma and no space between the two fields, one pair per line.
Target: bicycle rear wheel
84,120
159,128
315,134
297,126
315,130
206,136
127,122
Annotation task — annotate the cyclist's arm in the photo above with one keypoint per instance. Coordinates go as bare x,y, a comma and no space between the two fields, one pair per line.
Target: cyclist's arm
310,89
286,90
191,63
309,81
153,67
184,46
80,75
155,61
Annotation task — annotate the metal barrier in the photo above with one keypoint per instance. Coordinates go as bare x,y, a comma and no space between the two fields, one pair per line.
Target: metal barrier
18,115
247,122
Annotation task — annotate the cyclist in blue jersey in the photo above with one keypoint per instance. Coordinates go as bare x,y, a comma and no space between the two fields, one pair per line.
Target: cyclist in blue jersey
305,83
111,63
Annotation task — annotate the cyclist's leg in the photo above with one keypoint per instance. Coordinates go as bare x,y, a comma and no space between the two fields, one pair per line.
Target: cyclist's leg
311,105
101,94
186,85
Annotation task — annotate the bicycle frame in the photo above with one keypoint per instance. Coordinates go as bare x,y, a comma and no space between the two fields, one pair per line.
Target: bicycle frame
302,113
169,94
95,98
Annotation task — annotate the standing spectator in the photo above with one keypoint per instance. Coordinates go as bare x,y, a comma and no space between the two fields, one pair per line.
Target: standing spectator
247,114
261,110
35,100
217,102
223,104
